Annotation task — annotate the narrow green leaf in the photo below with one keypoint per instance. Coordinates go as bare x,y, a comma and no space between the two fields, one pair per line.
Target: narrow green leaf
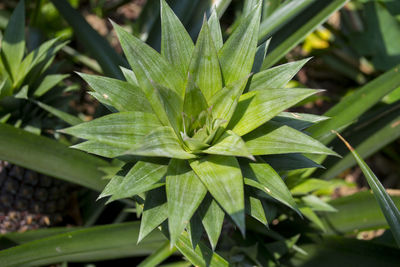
257,107
255,209
276,77
237,54
48,83
13,42
68,118
85,245
176,44
313,217
354,105
194,102
101,149
299,121
143,177
263,177
215,30
293,161
317,204
154,213
225,101
389,209
97,45
185,192
123,129
260,56
162,142
121,95
223,179
274,138
230,144
309,185
158,256
195,229
130,76
201,256
204,66
50,157
296,30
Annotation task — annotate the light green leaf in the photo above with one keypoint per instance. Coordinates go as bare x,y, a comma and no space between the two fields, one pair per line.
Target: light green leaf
215,30
276,77
130,76
313,217
176,44
204,65
230,144
101,149
317,204
223,179
298,121
225,101
123,129
260,56
154,213
194,102
255,209
48,83
121,95
212,217
162,142
185,192
262,176
13,42
257,107
143,177
158,256
274,138
148,65
309,185
237,54
389,209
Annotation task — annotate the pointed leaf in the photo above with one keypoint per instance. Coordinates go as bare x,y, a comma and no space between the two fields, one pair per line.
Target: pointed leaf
101,149
185,192
257,107
230,144
260,56
215,30
225,101
255,209
317,204
143,177
155,211
313,217
274,138
176,44
194,102
68,118
195,229
13,43
237,54
223,179
162,142
212,217
121,95
48,83
130,76
204,66
298,121
276,77
293,161
263,177
148,65
123,129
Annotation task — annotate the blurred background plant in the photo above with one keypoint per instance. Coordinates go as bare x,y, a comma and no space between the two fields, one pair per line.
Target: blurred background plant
355,56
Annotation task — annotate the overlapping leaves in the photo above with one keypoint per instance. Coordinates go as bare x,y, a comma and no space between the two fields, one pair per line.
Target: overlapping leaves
189,104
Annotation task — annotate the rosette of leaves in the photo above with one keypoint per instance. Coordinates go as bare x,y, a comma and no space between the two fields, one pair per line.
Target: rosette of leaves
28,80
198,120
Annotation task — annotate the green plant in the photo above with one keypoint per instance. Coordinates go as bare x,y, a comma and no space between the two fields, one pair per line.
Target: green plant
200,107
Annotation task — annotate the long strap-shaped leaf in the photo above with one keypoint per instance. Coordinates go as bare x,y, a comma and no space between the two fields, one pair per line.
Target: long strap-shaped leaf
389,209
50,157
91,244
257,107
185,192
223,179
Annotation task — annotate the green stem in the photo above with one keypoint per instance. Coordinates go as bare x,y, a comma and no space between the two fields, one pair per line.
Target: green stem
158,256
